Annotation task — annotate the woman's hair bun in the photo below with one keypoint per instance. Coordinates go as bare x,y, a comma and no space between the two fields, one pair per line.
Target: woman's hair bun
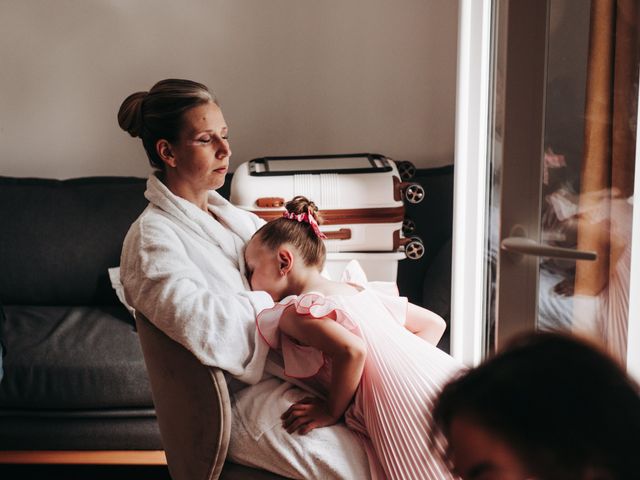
130,114
301,204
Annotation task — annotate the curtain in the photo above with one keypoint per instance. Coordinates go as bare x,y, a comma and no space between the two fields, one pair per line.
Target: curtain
607,172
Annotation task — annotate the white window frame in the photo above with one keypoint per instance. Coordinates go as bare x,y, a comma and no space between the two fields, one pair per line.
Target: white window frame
633,339
470,181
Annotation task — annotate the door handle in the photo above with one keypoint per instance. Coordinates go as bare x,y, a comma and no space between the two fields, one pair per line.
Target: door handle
526,246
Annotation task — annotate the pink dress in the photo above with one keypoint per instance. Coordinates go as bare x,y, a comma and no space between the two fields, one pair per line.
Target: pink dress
391,411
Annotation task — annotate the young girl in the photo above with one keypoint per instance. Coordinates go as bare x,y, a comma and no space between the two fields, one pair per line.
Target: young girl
373,352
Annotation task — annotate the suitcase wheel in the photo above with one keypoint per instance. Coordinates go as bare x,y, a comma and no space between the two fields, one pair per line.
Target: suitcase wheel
407,170
408,227
414,250
414,193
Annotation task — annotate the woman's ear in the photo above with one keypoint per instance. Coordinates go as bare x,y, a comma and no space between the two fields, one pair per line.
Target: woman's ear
285,260
163,148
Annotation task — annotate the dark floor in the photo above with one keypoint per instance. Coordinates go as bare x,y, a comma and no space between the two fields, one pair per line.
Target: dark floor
83,472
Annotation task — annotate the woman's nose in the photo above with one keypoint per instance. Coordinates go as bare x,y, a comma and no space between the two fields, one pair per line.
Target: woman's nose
224,150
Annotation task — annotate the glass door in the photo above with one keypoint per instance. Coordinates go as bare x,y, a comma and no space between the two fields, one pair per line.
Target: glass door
562,136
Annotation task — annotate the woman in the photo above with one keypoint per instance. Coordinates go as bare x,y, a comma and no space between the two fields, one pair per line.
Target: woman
182,267
548,407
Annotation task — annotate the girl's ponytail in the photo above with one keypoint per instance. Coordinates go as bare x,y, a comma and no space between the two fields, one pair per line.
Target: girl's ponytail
299,226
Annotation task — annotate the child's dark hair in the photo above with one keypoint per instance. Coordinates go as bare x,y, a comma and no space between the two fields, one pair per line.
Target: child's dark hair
300,234
563,405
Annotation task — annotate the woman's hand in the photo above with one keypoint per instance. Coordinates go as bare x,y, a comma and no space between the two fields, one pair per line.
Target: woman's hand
307,414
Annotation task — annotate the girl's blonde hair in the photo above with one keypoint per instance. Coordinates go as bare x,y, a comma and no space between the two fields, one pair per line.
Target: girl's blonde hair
300,234
158,113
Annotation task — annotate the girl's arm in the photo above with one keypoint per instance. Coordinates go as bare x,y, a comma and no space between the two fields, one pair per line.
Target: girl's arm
424,323
347,352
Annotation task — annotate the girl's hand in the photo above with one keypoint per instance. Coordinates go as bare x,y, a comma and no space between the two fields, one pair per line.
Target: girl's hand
307,414
425,324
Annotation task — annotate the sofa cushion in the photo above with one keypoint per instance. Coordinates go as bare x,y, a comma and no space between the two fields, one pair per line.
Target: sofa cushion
58,237
72,357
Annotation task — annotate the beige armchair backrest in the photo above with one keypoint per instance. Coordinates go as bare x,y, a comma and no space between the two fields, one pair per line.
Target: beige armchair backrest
192,405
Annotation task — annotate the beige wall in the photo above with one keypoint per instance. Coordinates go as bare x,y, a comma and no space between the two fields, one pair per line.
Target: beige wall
293,77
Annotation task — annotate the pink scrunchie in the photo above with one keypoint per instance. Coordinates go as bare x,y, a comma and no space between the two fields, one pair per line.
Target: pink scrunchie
305,217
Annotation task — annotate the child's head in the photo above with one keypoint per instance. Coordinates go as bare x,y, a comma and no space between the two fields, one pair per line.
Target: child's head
548,405
271,252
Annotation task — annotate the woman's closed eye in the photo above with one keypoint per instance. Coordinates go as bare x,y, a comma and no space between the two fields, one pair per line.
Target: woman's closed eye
206,140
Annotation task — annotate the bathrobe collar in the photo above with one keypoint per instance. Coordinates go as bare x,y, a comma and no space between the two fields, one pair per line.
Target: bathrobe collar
230,233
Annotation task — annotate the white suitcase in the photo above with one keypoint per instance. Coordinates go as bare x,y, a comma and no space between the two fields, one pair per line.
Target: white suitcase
360,197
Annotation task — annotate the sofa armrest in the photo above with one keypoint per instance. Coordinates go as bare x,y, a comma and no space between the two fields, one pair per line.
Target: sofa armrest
192,406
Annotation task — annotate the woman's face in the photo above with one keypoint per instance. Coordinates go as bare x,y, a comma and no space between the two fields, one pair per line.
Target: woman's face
477,454
201,153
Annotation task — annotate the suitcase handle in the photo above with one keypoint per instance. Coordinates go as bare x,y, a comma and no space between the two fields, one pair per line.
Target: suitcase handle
270,202
342,234
369,163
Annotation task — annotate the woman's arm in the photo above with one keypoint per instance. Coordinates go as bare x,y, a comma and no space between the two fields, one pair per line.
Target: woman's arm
424,323
347,352
214,320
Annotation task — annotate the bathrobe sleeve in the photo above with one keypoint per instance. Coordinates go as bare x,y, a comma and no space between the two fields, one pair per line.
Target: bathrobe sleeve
162,281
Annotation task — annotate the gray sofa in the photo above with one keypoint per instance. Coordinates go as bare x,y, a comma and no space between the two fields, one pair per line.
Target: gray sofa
75,387
74,376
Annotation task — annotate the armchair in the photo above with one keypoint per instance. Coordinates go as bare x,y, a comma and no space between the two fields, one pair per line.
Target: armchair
193,410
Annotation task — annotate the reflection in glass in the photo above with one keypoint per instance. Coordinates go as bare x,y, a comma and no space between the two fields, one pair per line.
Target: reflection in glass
588,167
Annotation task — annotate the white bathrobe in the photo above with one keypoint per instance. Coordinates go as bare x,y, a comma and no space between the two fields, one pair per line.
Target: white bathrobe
184,271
